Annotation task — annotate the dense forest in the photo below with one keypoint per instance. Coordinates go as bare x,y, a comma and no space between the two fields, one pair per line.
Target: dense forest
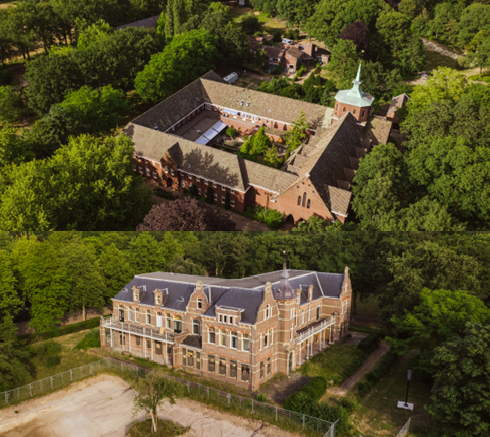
433,290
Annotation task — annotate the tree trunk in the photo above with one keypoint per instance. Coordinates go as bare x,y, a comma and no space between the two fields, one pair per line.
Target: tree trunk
83,313
153,423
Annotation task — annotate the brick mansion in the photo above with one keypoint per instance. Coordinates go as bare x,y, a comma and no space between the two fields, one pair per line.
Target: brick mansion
176,145
242,331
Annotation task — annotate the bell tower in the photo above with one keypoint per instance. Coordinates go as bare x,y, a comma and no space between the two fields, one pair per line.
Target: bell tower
355,101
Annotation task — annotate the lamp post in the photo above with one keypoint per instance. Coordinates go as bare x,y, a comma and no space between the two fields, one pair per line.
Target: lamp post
409,376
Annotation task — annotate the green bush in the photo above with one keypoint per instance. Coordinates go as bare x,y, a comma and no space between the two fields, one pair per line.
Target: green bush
193,190
302,70
209,195
49,352
276,35
164,194
272,218
261,397
64,330
53,361
316,387
277,71
232,132
6,77
91,340
370,343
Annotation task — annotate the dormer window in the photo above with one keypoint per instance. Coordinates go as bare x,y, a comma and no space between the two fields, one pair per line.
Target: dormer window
136,295
157,299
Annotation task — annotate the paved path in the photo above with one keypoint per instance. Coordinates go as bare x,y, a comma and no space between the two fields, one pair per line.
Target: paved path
369,364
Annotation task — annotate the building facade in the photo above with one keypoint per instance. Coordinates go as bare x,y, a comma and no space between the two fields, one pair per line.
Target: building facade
242,331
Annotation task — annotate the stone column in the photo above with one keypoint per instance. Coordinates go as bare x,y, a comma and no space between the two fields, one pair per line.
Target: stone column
112,340
129,335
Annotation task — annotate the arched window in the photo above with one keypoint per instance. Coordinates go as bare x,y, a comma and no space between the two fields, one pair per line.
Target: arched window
308,204
304,200
299,200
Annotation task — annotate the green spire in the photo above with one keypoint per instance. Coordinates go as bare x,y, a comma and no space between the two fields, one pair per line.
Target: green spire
356,91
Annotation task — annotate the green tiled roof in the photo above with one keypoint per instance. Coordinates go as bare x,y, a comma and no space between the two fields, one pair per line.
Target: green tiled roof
355,96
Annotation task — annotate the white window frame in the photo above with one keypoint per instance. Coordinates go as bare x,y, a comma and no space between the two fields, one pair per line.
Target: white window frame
148,317
195,323
198,179
199,303
236,340
147,171
172,171
157,299
209,337
266,339
220,318
130,314
168,321
232,191
215,184
215,196
232,203
223,188
166,169
182,184
137,315
223,198
243,342
222,336
155,174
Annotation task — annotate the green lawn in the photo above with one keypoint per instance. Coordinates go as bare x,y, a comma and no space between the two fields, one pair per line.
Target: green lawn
433,60
69,358
333,362
377,413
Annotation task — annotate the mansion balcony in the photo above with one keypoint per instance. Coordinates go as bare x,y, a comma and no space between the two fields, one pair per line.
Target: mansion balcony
144,331
308,331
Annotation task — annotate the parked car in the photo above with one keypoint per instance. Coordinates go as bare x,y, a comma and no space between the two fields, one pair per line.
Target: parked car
287,41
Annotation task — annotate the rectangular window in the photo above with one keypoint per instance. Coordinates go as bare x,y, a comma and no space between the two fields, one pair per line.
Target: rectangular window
269,366
222,338
266,339
261,370
190,358
205,182
130,314
225,319
166,169
141,168
159,320
148,343
245,372
198,179
182,184
138,341
215,196
222,199
214,184
246,342
212,337
184,357
220,318
148,317
178,324
172,171
199,303
232,203
155,174
234,339
190,176
157,299
137,315
168,321
198,360
211,364
199,190
223,188
222,366
195,327
233,369
317,313
147,172
232,191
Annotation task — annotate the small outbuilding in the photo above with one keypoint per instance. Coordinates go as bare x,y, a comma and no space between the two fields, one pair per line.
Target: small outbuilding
231,78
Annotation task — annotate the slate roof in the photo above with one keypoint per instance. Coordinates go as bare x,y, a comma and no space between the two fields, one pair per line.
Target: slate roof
274,52
245,293
295,52
193,341
378,130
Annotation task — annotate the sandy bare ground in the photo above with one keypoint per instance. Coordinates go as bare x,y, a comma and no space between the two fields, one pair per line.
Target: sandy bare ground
102,406
369,364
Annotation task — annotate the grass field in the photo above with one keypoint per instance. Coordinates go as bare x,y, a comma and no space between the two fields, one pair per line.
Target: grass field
433,60
377,413
69,358
333,362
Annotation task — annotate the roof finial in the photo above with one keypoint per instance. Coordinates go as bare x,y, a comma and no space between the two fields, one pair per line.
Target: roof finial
358,77
285,273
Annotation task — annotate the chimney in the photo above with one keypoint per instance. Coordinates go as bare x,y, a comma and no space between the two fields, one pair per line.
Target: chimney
298,293
136,294
267,290
310,292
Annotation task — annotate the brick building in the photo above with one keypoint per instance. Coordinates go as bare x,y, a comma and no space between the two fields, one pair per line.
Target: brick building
175,146
242,331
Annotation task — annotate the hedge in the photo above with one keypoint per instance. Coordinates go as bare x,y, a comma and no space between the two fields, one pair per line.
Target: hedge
63,330
91,340
370,343
375,375
314,390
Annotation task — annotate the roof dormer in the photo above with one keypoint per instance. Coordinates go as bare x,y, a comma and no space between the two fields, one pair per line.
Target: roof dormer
136,294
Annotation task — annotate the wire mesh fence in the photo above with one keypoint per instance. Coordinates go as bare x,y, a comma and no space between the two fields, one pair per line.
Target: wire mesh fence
290,420
260,410
43,385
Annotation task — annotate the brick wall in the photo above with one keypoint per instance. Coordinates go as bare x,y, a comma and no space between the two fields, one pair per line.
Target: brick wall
361,114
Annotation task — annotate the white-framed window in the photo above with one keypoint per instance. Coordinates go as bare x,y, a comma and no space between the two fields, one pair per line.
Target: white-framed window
220,318
223,188
199,190
198,179
298,299
199,302
215,184
231,320
147,172
178,324
168,321
205,182
190,176
155,174
302,317
268,312
146,161
140,168
292,314
159,320
246,342
232,191
148,317
182,183
266,339
234,340
225,319
172,171
195,327
222,337
215,196
211,336
137,315
136,295
166,169
309,313
130,314
232,203
222,199
157,299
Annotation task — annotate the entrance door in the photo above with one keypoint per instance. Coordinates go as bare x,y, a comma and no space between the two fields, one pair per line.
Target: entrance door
121,315
169,183
158,347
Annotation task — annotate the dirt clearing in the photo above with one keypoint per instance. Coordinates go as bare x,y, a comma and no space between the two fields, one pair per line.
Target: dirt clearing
102,406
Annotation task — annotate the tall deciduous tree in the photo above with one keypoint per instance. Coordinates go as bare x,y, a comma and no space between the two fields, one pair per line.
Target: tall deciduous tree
461,392
114,267
295,136
9,299
357,32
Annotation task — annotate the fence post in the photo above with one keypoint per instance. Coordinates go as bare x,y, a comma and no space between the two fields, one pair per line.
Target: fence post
90,369
208,392
252,406
71,375
188,389
276,414
52,383
30,389
303,420
229,399
6,398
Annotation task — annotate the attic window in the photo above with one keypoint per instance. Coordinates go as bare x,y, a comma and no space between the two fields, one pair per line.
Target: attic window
270,109
248,103
189,166
237,100
242,102
181,299
143,287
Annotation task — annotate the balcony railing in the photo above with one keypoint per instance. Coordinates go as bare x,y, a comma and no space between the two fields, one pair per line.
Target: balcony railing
325,323
114,323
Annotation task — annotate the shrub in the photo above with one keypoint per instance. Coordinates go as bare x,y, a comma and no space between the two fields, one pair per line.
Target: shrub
262,397
251,24
193,191
209,195
6,77
277,71
91,340
370,343
302,70
69,329
276,35
272,218
259,33
318,80
292,34
232,132
49,352
316,387
164,194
